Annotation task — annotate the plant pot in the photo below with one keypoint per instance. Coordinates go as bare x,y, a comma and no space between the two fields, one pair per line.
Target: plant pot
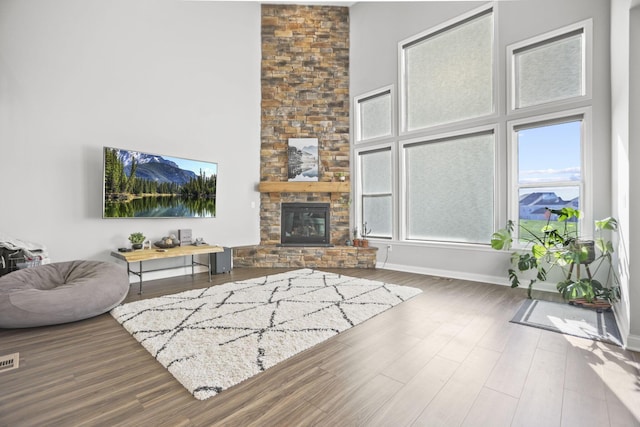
597,304
589,246
357,242
364,243
136,246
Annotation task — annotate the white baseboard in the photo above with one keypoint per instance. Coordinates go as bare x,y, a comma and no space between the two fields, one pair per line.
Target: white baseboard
633,342
449,274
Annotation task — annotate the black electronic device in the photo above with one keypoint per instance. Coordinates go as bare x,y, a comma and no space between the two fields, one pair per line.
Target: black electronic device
221,261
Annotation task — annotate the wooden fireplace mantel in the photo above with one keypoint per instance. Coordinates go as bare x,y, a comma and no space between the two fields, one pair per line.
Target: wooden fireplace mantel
303,187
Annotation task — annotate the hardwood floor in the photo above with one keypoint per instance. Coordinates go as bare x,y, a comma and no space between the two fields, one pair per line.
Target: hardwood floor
447,357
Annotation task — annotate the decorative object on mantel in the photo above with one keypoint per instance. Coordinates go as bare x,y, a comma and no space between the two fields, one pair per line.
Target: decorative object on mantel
303,159
211,339
136,240
341,176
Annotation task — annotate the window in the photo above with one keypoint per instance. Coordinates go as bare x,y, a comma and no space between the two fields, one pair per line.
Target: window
457,175
448,73
374,115
377,208
374,168
550,68
450,187
548,172
551,71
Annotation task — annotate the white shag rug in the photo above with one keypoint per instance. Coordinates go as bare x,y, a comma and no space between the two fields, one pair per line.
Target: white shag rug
211,339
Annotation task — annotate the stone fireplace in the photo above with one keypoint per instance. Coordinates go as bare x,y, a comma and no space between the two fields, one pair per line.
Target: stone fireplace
305,94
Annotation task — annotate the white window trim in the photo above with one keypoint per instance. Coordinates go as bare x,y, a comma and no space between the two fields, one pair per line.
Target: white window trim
402,108
587,32
358,113
586,184
357,202
497,180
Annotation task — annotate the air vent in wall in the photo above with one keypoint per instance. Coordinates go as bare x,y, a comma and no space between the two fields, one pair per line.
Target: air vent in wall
9,362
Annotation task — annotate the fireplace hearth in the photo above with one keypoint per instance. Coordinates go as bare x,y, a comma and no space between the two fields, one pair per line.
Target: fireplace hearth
305,224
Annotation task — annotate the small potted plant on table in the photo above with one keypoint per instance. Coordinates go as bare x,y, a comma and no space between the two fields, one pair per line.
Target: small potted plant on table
136,240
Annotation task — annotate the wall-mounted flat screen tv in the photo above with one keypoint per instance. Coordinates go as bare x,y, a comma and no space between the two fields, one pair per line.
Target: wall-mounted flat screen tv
144,185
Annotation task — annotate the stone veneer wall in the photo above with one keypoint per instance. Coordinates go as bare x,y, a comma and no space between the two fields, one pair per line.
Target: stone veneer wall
305,94
310,257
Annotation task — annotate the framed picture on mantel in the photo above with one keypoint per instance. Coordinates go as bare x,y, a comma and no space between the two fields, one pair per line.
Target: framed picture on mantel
303,159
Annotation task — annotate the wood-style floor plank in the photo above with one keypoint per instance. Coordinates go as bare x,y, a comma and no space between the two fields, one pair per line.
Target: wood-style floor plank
510,374
541,400
446,357
491,408
461,391
409,402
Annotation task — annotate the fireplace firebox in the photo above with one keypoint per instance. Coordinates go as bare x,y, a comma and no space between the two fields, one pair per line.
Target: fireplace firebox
305,224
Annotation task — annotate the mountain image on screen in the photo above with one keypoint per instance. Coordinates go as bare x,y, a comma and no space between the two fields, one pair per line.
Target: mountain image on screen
154,168
142,185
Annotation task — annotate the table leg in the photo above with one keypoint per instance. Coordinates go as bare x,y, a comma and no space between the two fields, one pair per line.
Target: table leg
140,291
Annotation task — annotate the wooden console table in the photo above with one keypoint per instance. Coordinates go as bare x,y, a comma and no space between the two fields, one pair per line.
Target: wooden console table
149,254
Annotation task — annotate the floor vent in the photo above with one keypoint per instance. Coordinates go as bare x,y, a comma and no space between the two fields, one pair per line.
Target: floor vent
9,362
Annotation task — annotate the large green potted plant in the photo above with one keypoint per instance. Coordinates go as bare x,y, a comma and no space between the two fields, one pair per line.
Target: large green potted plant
557,246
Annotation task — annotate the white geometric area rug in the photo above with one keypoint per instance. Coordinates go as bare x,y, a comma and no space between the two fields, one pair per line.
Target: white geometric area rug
211,339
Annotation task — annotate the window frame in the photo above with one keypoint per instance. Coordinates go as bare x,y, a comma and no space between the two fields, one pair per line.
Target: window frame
586,26
357,103
452,135
359,200
586,167
460,19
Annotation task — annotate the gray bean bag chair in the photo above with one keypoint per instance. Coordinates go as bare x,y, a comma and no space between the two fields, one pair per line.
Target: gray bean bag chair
60,292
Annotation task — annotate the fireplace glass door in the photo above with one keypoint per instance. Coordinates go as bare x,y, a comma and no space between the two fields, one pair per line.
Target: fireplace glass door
305,224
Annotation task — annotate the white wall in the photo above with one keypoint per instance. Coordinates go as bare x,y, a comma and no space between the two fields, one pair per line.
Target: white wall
634,159
162,76
625,62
